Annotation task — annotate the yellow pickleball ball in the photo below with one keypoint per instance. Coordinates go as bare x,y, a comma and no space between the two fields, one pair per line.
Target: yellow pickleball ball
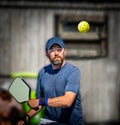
83,26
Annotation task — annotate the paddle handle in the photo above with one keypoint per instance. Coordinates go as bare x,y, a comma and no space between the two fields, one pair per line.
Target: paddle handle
36,108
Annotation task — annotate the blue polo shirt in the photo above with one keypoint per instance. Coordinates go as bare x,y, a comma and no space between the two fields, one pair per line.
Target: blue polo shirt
52,83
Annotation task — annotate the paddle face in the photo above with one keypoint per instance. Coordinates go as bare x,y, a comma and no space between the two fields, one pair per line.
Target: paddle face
20,90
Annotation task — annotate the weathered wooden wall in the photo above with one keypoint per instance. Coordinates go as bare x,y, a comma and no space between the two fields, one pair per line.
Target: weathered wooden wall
23,33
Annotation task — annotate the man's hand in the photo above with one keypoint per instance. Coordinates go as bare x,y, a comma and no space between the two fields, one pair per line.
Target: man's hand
33,103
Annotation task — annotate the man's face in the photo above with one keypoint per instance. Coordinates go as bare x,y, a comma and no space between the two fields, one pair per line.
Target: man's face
56,54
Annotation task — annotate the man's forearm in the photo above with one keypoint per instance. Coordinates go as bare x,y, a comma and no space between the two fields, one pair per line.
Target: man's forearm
60,101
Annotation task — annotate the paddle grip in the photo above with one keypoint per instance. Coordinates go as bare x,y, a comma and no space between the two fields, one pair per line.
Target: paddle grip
36,108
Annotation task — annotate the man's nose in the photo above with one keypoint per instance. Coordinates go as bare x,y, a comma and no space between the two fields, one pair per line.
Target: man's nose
56,52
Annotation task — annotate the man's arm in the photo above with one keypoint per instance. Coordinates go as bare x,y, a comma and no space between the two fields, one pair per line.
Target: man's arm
61,101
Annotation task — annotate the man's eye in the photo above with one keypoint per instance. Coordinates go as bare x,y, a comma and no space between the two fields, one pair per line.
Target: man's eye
59,50
52,50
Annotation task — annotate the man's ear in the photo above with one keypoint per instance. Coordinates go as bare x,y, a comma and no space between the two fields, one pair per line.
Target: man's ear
47,54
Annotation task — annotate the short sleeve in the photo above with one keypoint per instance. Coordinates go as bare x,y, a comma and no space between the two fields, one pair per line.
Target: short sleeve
38,87
73,81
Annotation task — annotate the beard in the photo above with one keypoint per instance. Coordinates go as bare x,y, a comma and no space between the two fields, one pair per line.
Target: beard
57,61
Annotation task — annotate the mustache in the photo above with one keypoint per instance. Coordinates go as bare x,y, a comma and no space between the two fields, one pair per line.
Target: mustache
57,57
